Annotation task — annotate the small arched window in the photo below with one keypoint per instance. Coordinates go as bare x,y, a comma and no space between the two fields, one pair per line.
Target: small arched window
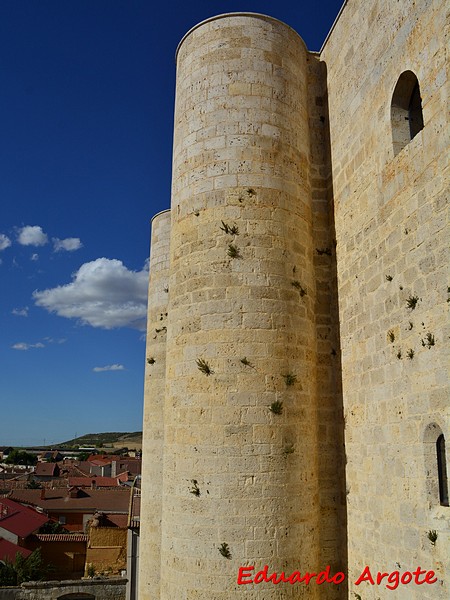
442,470
406,111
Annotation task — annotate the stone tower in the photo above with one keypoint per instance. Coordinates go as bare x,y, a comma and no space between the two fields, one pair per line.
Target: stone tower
237,342
300,282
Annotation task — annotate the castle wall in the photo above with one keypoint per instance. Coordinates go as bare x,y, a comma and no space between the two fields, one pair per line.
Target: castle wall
240,481
153,422
330,442
392,245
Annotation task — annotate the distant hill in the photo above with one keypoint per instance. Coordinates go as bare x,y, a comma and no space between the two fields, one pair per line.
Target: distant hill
108,439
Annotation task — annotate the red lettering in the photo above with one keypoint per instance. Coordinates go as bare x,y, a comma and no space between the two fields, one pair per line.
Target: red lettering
365,576
241,574
295,577
324,576
405,575
380,577
261,575
308,577
417,574
341,576
273,578
393,578
428,575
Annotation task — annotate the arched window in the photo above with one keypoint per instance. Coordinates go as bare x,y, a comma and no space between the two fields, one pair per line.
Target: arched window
406,111
435,466
442,470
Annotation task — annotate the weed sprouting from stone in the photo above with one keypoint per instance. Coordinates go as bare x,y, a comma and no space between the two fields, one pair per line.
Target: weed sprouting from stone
204,366
428,341
411,302
290,379
432,536
195,490
224,550
233,251
299,287
276,407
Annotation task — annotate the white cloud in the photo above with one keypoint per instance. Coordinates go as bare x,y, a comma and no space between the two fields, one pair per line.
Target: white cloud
32,235
109,368
20,312
69,244
103,293
25,346
50,340
34,257
5,242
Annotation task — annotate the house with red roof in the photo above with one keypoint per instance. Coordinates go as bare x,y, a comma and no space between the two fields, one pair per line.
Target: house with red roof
17,523
8,551
45,471
95,482
74,507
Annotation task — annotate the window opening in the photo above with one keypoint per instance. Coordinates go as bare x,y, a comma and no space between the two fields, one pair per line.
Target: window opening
406,111
442,470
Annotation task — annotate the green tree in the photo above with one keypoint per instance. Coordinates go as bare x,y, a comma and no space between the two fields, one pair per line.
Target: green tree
33,485
31,568
52,527
20,457
8,575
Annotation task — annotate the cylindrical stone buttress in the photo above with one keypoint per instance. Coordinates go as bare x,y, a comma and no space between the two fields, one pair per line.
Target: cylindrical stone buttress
239,483
153,422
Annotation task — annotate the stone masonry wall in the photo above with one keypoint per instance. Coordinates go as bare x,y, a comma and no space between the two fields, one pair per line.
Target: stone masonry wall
153,422
392,247
112,589
240,481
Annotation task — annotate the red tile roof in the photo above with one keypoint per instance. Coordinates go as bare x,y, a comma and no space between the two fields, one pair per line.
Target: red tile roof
18,519
116,521
94,480
62,537
45,469
8,551
115,501
101,459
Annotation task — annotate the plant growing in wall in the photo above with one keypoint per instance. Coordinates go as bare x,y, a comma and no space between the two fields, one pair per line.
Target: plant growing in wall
428,341
411,302
151,360
410,354
389,278
298,286
195,490
233,251
246,362
230,229
204,367
391,336
276,407
432,536
224,550
290,379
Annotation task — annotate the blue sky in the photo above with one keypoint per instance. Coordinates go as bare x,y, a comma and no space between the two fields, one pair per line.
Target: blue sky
86,115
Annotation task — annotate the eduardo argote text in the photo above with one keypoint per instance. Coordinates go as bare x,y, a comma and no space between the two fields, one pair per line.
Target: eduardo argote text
390,580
